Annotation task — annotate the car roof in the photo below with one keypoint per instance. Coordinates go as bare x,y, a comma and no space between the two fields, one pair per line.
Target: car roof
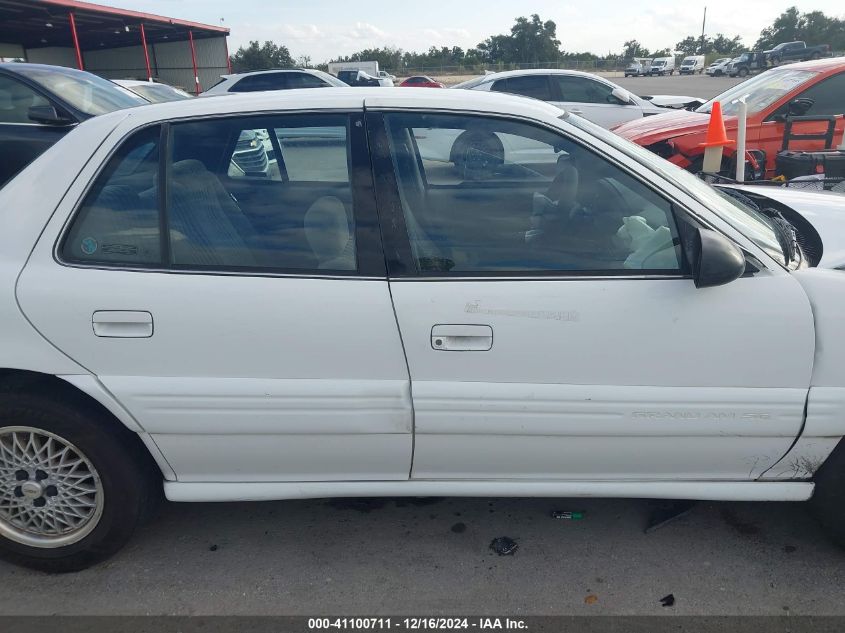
825,64
539,71
343,99
267,70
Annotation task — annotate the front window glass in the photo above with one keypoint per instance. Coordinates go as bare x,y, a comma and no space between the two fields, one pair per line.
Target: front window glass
755,227
581,90
761,91
16,99
483,195
87,93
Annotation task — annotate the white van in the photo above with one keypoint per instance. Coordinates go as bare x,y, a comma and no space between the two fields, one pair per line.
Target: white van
692,64
662,66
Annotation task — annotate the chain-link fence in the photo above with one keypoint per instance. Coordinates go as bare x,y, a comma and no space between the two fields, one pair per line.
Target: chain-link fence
610,65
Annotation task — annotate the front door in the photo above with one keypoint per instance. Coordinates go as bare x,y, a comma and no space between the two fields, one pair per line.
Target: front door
825,98
592,100
255,340
551,327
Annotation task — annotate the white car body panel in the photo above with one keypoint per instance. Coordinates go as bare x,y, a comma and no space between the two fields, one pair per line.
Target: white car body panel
606,115
694,490
283,387
825,210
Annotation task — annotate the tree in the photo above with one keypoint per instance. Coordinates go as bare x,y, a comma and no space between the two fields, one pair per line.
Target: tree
534,40
632,48
724,45
813,27
696,45
264,57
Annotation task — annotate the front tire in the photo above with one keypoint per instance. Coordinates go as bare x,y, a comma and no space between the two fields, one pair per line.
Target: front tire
72,484
742,72
828,501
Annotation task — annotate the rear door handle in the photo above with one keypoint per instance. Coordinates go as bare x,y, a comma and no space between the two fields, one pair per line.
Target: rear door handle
462,338
123,324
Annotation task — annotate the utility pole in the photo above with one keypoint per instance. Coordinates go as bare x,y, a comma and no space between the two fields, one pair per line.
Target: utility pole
703,22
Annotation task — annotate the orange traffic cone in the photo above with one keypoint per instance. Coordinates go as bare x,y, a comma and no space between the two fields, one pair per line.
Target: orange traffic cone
717,139
716,135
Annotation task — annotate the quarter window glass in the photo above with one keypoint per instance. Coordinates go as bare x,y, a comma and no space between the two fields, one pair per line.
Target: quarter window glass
489,195
581,90
264,81
536,86
118,222
278,212
15,101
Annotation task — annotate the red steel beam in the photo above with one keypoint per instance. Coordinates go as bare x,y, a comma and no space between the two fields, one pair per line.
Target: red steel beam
228,59
146,53
138,15
79,63
197,87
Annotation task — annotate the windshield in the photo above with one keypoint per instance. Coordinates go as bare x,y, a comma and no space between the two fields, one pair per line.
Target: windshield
688,61
755,226
761,91
658,63
471,83
330,79
87,93
157,93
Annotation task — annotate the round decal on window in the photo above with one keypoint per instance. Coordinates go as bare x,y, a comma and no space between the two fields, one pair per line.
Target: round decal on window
89,246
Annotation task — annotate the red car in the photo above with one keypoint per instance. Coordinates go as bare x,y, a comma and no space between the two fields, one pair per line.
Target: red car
421,81
814,88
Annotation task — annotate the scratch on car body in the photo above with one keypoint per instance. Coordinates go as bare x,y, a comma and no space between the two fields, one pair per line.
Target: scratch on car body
474,307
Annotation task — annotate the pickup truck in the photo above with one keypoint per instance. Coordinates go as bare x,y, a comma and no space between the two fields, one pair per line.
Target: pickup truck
746,63
797,52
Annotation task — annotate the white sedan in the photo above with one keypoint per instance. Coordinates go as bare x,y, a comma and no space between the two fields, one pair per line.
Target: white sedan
369,322
585,94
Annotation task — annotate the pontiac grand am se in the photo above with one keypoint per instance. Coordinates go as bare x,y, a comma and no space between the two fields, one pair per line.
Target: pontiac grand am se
571,317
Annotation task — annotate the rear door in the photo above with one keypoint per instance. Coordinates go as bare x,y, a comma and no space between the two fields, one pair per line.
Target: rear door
551,327
255,339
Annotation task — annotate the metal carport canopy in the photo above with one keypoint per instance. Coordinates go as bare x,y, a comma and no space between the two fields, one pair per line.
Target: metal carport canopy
85,26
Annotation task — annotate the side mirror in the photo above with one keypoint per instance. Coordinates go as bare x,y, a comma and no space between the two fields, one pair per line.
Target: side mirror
715,259
623,95
47,114
800,107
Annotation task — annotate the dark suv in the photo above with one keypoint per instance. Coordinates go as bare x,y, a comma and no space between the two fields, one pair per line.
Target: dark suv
39,104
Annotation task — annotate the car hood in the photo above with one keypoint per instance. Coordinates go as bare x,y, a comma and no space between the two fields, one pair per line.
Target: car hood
650,130
823,209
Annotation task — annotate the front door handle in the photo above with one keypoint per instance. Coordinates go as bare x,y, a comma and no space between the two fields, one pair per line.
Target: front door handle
462,338
123,324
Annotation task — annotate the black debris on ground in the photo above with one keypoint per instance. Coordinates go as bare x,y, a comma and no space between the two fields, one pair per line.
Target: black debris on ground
668,601
458,528
504,546
213,548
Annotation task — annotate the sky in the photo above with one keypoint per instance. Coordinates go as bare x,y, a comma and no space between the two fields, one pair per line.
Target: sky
323,29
